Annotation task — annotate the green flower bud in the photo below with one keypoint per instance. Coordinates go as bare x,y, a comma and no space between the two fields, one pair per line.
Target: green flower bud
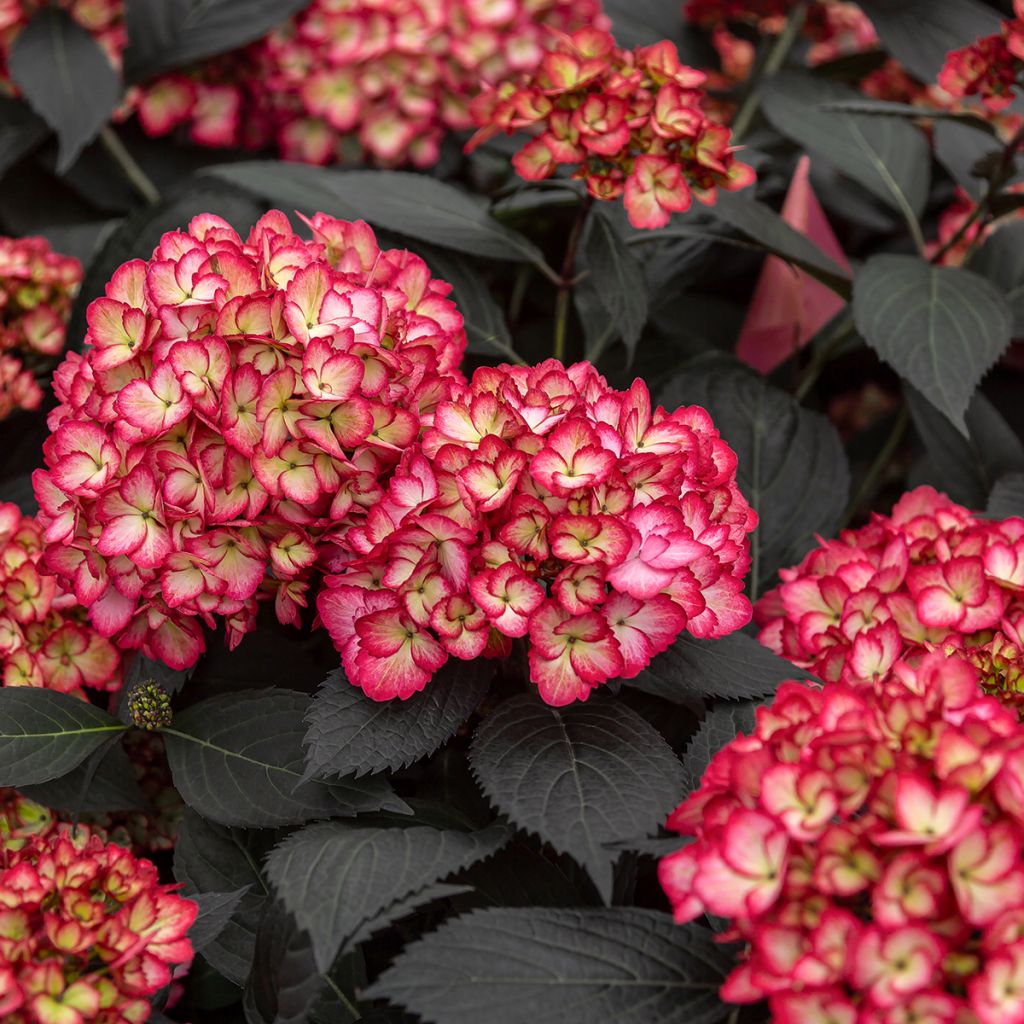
149,705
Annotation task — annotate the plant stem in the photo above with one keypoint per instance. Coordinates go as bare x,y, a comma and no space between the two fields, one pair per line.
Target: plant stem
869,485
565,287
999,178
776,58
136,176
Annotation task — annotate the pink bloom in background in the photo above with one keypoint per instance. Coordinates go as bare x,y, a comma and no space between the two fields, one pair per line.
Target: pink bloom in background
382,79
543,504
234,412
45,637
789,306
631,123
989,68
929,576
37,287
864,843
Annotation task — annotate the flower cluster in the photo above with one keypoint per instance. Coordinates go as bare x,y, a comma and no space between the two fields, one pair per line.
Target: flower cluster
865,843
833,27
382,78
87,932
630,122
236,403
45,638
929,576
37,286
991,67
543,504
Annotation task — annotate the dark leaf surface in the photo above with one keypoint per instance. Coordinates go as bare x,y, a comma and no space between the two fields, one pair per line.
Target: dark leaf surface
763,225
350,734
1001,261
579,777
238,760
284,987
736,667
211,859
45,735
939,328
919,33
336,879
617,278
66,79
887,155
965,467
1007,497
20,131
112,786
792,468
551,966
487,332
412,204
165,34
216,910
720,726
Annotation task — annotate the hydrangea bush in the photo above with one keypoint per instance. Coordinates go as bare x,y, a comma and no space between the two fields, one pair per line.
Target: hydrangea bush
511,511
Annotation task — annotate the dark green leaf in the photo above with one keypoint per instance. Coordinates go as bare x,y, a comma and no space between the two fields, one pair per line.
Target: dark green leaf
735,667
887,155
568,966
216,910
66,78
719,727
165,34
20,131
45,734
763,225
237,760
1001,261
579,777
350,734
940,328
209,858
966,467
138,235
1007,497
960,149
285,987
486,330
412,204
617,277
887,108
919,33
792,468
337,879
112,787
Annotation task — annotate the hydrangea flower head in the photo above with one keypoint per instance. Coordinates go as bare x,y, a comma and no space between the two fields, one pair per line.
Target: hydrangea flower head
235,405
989,68
45,638
629,122
544,504
89,934
383,79
37,286
865,843
930,576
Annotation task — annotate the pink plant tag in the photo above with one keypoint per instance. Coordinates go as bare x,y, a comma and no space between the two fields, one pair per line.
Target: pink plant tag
789,306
